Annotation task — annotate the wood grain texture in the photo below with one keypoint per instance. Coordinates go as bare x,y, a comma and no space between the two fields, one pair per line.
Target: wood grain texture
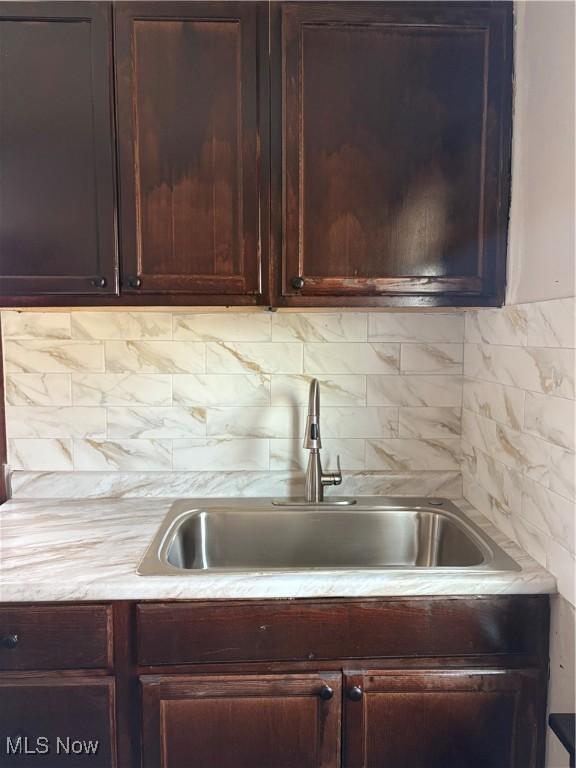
388,126
80,708
445,719
277,721
179,633
392,137
188,85
127,689
421,706
57,188
56,637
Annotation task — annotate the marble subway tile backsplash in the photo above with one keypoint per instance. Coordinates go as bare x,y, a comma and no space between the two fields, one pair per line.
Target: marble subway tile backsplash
38,389
336,390
414,390
121,389
37,325
537,369
432,358
173,403
323,327
245,326
54,356
182,484
518,420
351,357
165,422
121,326
155,357
161,391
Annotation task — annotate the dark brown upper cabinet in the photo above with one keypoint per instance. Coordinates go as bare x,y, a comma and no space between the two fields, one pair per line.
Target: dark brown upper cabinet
57,210
295,154
391,133
191,93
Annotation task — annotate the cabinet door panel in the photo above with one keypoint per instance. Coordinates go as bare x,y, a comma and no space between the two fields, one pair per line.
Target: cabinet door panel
241,721
56,157
57,722
445,719
396,133
188,85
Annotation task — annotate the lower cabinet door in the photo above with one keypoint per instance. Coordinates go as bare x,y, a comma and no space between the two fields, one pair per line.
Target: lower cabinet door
264,721
57,722
443,719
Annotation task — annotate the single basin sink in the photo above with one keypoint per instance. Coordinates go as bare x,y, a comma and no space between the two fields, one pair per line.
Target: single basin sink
378,533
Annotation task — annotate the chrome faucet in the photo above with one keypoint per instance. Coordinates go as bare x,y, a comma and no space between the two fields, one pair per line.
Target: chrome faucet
316,479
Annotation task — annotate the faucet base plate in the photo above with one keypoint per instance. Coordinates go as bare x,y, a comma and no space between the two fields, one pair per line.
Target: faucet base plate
300,501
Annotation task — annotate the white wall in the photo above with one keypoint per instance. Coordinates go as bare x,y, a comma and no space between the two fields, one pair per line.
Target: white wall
541,251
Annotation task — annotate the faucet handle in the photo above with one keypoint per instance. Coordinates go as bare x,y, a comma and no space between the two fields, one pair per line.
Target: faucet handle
338,473
333,478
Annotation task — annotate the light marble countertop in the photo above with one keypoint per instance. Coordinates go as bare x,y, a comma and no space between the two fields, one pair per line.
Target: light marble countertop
89,550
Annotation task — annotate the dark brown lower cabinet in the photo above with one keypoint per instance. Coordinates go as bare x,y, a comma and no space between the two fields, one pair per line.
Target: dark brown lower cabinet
442,719
54,721
433,718
272,721
418,682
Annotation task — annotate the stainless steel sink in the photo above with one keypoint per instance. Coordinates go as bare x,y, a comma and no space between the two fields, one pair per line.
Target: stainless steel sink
231,535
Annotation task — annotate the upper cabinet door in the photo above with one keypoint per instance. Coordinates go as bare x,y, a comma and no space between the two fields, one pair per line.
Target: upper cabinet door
57,232
191,186
393,138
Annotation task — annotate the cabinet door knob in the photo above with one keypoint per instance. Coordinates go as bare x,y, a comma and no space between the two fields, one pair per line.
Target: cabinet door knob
326,693
355,693
98,282
298,283
134,282
9,641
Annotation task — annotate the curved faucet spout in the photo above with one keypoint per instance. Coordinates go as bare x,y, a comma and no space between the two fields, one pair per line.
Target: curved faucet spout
316,478
314,399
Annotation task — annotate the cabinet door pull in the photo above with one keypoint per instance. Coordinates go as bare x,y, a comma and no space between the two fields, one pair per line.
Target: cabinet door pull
9,641
355,693
98,282
326,693
134,282
298,283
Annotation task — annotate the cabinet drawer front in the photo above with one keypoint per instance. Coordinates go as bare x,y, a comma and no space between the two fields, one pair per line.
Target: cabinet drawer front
55,637
57,722
202,632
